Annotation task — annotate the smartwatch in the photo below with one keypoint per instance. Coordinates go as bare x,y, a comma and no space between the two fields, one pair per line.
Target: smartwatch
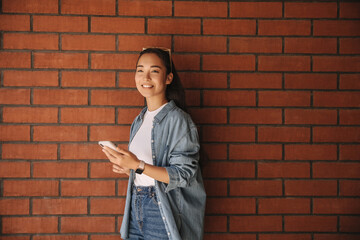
140,168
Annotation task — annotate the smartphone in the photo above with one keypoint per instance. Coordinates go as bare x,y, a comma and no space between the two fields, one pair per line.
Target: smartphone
107,144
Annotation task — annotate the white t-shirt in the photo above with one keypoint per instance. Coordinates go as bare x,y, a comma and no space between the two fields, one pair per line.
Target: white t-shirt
141,146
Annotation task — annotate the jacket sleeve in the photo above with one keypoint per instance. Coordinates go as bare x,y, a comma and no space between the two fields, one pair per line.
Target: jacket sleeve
183,160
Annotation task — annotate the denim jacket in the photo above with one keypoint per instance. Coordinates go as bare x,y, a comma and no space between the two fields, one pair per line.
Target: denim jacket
175,146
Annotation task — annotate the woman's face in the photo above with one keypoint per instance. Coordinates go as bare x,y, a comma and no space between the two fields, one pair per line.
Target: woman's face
151,78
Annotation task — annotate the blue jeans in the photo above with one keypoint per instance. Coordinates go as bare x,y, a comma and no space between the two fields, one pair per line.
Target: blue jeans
145,221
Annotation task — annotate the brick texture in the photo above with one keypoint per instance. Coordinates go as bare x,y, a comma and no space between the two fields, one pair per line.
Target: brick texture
273,87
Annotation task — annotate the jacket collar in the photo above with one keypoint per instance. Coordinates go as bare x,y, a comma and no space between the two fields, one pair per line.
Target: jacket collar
160,116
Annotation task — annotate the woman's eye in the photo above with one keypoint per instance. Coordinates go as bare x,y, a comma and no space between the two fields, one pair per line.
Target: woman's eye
155,71
139,70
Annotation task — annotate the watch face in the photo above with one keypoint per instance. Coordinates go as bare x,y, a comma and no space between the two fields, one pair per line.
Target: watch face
139,171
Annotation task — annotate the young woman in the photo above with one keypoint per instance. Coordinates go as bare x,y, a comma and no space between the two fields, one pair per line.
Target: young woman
165,196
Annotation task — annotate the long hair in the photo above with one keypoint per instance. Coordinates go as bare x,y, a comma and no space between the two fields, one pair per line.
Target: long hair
175,90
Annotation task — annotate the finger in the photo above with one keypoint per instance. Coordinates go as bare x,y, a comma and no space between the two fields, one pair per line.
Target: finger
122,151
111,151
112,158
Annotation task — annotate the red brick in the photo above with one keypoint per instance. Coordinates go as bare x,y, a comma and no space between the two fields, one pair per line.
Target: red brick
284,206
145,8
33,6
14,96
113,61
29,225
14,238
215,224
349,188
283,134
228,134
88,115
87,79
349,10
117,25
14,22
336,170
336,206
255,188
285,236
284,98
203,80
349,81
186,62
94,7
192,98
60,133
31,41
31,78
255,223
81,151
336,28
229,98
107,205
88,42
310,223
349,152
61,237
256,80
230,206
350,223
216,151
59,206
284,63
87,224
200,9
336,134
310,152
127,115
104,237
256,116
310,45
60,24
255,9
209,115
336,64
60,170
60,97
110,133
173,26
15,59
310,188
126,79
30,115
229,236
61,60
30,188
122,187
87,188
255,45
199,44
229,170
103,170
284,27
350,117
310,116
29,151
310,81
14,169
116,98
336,99
216,187
283,170
255,152
138,42
349,46
311,10
229,27
13,206
14,133
333,236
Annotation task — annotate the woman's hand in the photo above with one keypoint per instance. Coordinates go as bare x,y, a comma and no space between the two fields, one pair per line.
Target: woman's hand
122,159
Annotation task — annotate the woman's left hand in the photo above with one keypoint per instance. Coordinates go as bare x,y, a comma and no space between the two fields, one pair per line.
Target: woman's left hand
122,158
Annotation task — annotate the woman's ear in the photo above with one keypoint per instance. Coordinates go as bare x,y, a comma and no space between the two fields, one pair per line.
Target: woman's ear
169,78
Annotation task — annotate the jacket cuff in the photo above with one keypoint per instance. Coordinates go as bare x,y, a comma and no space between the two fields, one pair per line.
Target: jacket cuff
173,178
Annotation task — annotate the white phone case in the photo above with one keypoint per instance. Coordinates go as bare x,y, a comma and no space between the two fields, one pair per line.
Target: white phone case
107,144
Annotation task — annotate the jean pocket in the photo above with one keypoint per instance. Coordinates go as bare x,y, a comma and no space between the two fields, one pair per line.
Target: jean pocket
154,199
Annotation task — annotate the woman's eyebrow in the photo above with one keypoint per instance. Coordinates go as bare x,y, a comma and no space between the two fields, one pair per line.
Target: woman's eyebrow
153,66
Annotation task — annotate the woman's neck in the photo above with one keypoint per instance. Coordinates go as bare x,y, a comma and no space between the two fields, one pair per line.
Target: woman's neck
153,104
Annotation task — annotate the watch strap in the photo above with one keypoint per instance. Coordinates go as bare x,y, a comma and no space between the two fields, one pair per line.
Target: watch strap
141,167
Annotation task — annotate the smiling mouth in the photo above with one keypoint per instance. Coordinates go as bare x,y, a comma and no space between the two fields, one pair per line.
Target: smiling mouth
147,86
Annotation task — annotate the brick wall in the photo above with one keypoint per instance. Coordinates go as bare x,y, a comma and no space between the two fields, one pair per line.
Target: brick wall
273,86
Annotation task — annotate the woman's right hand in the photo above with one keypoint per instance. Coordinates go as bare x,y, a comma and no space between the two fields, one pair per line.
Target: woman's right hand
120,170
